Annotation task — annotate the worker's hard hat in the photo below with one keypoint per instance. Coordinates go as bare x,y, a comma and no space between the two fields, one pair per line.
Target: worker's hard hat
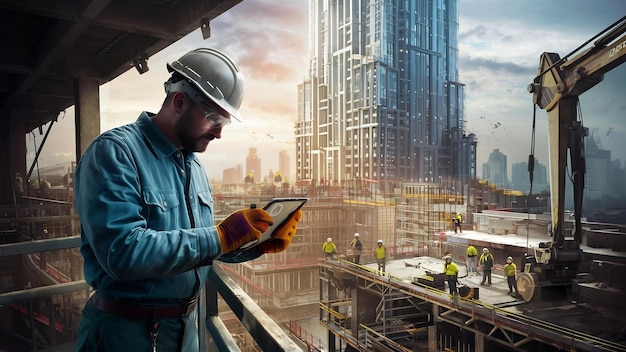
509,258
447,257
485,250
356,234
213,75
329,239
380,241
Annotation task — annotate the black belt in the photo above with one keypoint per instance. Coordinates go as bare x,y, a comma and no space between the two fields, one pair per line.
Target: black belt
133,310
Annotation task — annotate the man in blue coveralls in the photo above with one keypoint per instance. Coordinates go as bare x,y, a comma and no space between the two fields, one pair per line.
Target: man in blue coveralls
146,211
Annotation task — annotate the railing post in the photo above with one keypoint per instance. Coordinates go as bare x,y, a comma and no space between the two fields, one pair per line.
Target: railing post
265,331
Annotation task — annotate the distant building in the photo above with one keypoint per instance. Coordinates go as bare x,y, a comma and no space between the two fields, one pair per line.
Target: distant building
233,175
495,169
598,162
283,165
600,175
617,179
253,165
520,178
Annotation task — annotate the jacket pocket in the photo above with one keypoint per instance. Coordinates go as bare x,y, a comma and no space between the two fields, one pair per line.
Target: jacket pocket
161,209
205,202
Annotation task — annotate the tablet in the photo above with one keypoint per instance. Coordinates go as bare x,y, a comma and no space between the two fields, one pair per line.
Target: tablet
280,209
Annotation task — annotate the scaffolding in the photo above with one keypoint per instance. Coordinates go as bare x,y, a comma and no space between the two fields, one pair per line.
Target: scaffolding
368,311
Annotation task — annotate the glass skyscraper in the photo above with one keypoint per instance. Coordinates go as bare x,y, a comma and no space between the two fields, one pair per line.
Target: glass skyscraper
382,99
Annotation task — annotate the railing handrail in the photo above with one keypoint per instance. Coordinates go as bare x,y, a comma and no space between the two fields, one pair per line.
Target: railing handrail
266,332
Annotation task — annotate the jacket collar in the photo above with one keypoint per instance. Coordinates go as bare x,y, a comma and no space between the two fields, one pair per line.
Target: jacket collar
156,140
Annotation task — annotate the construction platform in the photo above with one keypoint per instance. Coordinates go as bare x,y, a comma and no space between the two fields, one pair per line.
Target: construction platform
367,310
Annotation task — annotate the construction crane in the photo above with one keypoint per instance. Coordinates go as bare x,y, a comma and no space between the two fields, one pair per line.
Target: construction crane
556,89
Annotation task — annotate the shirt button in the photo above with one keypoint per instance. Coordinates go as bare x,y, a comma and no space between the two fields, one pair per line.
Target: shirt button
165,203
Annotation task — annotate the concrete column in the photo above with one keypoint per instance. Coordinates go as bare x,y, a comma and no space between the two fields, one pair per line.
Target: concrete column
479,342
356,316
18,145
12,157
432,330
87,113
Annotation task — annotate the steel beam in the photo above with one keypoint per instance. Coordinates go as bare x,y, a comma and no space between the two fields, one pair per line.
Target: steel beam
43,291
51,244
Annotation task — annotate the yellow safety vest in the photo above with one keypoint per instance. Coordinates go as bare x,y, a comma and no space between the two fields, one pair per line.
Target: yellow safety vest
380,252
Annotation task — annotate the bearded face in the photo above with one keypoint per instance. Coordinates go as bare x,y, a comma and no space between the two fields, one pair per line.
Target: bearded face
194,131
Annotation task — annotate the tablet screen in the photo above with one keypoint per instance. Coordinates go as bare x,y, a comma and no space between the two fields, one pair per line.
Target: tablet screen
280,209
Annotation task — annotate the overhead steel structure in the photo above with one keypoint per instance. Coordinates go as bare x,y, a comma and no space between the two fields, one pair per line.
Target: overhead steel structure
56,54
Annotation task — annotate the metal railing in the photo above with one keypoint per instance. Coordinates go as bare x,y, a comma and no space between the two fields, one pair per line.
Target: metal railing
265,331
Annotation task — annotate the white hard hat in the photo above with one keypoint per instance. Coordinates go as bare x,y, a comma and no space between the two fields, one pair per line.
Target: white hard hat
447,257
380,241
509,258
356,234
329,239
214,76
485,250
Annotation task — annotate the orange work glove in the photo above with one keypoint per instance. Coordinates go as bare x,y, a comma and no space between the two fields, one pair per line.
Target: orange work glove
283,235
242,227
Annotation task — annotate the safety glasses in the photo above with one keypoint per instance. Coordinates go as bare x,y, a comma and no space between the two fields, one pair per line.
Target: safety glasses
210,113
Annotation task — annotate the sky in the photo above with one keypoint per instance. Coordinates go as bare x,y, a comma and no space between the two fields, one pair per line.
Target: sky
500,43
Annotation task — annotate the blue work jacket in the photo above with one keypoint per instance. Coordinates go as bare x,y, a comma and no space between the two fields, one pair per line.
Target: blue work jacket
146,214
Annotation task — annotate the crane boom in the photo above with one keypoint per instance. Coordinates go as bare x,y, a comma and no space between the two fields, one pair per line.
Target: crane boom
556,89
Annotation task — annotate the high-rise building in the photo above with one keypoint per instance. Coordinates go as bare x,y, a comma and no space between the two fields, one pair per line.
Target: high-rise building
598,174
382,99
283,165
495,169
253,165
598,161
520,178
617,179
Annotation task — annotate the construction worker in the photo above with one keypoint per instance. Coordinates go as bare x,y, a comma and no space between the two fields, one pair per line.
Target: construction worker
46,186
34,187
510,270
458,219
451,271
486,262
381,255
357,246
19,184
149,238
472,253
329,248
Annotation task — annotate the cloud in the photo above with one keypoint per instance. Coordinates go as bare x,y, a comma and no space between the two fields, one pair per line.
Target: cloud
495,66
499,53
499,48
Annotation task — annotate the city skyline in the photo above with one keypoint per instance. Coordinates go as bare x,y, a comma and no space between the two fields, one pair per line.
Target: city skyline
499,54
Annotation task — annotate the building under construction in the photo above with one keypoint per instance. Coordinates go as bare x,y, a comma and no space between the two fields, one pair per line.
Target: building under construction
408,307
399,310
